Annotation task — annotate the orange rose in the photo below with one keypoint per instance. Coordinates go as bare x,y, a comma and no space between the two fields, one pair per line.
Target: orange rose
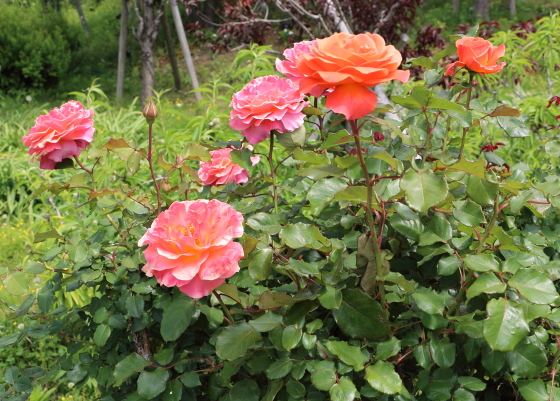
351,64
477,55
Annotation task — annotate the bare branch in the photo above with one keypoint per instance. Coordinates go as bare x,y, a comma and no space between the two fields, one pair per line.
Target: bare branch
251,21
301,24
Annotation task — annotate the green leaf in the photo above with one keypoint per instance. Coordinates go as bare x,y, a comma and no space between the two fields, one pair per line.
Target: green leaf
242,158
534,285
330,297
423,189
487,283
505,325
279,369
268,300
308,341
322,192
412,228
190,379
302,235
382,377
176,318
422,355
336,139
11,339
260,264
101,335
135,306
348,354
352,194
291,337
469,213
310,157
324,376
493,361
316,173
443,352
359,316
77,373
438,103
16,283
481,191
235,340
533,390
128,366
515,127
344,390
295,389
40,237
173,391
423,62
264,222
266,322
472,383
151,384
430,302
448,265
195,151
32,267
482,263
292,140
526,360
387,349
463,395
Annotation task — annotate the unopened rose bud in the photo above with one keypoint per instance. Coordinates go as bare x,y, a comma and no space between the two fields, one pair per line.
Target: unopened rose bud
378,136
475,83
150,112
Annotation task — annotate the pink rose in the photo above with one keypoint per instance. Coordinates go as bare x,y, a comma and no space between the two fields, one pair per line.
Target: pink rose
266,104
190,245
289,69
61,134
220,169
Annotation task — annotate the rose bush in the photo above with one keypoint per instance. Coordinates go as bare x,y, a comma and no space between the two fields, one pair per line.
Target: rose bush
409,265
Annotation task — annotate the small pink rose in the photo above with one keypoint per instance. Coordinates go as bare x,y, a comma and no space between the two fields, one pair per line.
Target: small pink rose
266,104
190,245
221,169
61,134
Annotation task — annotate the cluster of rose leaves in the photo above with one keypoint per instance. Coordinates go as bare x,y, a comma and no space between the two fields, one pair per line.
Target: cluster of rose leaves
191,244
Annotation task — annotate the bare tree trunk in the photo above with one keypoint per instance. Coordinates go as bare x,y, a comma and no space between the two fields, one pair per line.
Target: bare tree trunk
482,9
185,46
122,50
456,6
171,52
512,8
82,17
146,34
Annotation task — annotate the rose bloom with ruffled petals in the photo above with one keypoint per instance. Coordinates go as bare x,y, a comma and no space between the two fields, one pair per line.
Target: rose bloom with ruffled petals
478,55
288,66
61,134
221,169
190,245
351,64
265,104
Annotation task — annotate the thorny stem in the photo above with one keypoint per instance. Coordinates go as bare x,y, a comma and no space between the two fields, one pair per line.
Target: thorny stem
150,163
273,173
87,170
467,105
553,369
224,307
369,213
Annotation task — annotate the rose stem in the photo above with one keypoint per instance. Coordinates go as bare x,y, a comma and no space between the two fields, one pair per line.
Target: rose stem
369,213
87,170
149,157
467,105
272,172
229,318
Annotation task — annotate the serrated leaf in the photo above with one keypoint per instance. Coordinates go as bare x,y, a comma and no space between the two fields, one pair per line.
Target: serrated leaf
291,337
260,264
235,340
470,214
533,390
176,318
133,363
534,285
505,325
322,192
151,384
101,335
348,354
423,189
344,390
430,302
382,377
302,235
264,222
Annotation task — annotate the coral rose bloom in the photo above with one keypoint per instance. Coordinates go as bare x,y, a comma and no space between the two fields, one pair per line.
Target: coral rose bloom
61,134
350,63
478,55
266,104
288,66
220,169
190,245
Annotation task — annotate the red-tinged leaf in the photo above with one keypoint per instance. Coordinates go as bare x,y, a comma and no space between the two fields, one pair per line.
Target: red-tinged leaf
116,143
504,111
